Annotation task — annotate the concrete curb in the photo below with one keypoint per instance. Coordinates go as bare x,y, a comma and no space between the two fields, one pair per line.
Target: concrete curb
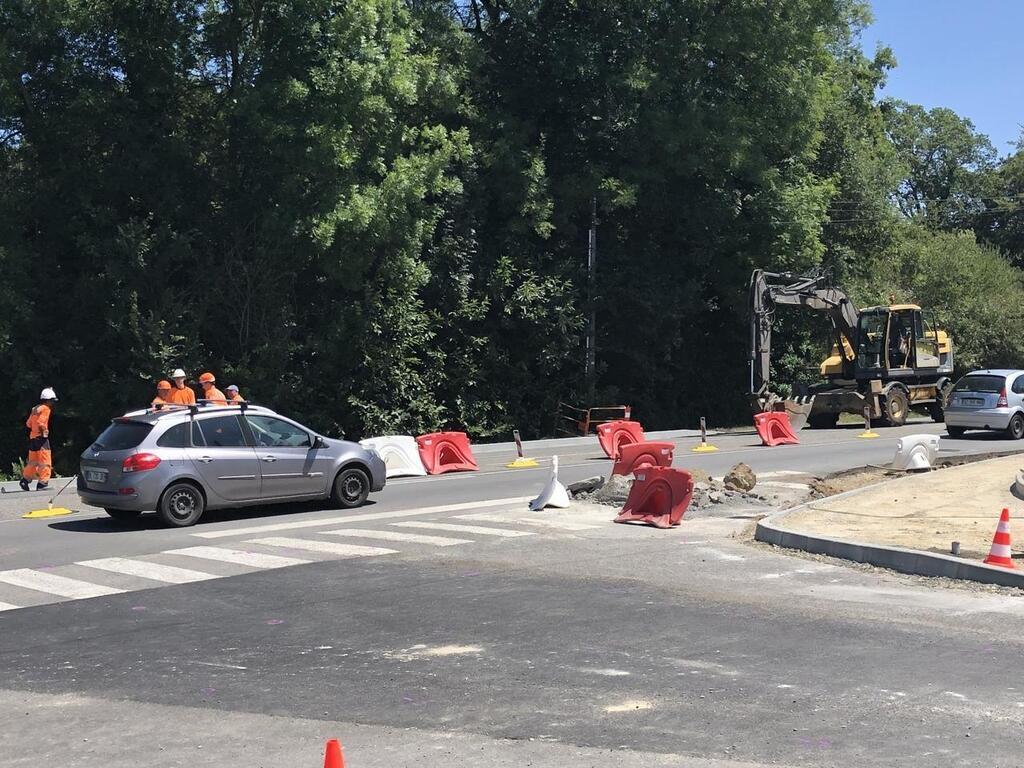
915,562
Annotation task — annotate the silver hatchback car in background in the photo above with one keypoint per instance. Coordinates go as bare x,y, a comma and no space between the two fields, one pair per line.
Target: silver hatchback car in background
989,399
183,461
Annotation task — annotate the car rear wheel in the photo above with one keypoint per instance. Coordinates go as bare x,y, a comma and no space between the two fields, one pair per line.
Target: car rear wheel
123,515
955,431
351,487
181,505
1015,429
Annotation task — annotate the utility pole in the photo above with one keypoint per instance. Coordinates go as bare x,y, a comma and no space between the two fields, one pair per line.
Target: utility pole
590,370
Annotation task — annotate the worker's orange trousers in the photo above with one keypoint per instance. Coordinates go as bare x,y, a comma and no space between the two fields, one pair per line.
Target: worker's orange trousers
39,466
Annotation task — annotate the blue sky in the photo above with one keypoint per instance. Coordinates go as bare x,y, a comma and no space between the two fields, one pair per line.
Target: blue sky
967,55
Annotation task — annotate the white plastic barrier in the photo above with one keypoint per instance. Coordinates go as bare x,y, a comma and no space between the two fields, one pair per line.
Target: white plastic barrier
400,454
916,452
554,493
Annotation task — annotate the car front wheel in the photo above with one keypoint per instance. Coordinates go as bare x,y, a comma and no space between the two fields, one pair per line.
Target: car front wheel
351,487
955,431
1015,430
181,505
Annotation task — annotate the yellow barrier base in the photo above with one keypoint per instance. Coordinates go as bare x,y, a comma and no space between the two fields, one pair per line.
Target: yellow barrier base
706,448
523,464
868,435
55,512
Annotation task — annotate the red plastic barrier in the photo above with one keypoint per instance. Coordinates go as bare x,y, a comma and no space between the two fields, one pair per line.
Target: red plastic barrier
659,497
615,434
446,452
635,455
774,429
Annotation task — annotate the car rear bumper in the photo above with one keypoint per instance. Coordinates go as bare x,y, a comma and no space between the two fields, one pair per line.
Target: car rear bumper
136,496
986,418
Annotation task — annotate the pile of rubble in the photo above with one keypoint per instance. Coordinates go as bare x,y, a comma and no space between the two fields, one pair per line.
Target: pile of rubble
735,488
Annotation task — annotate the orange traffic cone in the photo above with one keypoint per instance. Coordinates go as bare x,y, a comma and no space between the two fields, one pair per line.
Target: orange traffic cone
333,758
1000,554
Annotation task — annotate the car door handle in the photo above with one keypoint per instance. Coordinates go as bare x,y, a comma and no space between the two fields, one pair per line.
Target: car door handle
267,458
205,459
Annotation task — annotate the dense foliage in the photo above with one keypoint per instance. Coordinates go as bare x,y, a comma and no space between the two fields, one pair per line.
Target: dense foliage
374,214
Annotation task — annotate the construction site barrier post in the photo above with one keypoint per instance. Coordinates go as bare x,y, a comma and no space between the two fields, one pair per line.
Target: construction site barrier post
521,461
705,446
867,434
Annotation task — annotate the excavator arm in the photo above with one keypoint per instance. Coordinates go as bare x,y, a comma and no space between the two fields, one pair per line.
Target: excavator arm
812,291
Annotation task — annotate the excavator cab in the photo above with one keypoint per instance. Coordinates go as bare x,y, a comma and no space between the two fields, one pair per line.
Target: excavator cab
899,341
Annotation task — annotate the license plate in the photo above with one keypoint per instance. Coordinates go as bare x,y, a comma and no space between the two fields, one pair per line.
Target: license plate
94,476
972,401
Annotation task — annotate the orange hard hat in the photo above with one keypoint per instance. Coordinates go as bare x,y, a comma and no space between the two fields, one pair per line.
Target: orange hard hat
163,385
207,378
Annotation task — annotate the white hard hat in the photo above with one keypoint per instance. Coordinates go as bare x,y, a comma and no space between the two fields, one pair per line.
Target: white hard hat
178,374
47,394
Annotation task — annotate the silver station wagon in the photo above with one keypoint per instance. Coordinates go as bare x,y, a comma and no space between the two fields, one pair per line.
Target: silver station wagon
182,461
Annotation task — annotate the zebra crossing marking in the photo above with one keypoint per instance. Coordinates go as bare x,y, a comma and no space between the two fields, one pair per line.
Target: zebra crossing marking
507,533
169,574
412,538
53,584
324,547
238,557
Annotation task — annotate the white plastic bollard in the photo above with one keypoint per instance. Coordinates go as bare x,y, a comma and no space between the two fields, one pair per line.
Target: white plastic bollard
400,454
915,453
554,493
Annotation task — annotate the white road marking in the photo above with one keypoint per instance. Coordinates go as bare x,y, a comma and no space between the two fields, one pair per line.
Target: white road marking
324,547
347,519
219,666
412,538
719,555
54,584
8,607
478,529
780,473
777,484
169,574
514,517
238,557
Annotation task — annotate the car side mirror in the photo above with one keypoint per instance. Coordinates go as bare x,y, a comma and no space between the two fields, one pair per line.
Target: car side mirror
318,442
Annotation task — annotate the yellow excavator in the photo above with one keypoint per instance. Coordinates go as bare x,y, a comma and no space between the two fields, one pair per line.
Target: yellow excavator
884,360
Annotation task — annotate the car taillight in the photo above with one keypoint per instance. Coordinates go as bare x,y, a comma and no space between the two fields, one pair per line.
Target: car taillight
140,462
1001,402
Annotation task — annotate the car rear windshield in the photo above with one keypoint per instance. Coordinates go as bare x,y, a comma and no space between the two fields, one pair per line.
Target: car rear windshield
993,384
122,435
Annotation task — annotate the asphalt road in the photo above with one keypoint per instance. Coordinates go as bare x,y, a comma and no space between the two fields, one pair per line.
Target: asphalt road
444,626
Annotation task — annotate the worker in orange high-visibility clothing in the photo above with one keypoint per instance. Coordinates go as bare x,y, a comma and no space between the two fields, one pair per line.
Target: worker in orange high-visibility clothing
233,397
180,394
163,396
211,394
39,466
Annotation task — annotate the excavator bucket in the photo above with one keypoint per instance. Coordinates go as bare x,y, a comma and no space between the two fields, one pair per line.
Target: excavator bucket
798,410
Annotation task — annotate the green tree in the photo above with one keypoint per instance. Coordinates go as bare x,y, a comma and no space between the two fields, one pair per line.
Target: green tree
944,160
